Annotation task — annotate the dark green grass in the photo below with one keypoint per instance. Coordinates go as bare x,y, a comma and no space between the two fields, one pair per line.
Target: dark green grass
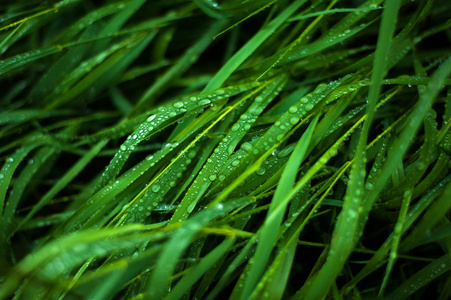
235,149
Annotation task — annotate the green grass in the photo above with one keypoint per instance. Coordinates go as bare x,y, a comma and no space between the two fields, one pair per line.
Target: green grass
257,149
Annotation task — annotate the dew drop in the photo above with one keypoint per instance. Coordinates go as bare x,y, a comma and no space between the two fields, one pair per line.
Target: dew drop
293,109
246,146
368,186
261,171
151,118
294,120
178,104
204,102
191,207
155,188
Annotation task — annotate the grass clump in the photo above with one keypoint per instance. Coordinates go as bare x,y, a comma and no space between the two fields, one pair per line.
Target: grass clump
233,149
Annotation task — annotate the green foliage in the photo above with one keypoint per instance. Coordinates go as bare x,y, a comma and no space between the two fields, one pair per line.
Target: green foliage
193,149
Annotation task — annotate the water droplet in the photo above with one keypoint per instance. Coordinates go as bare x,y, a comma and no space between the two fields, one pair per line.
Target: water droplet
261,171
204,102
155,188
151,118
294,120
191,206
236,127
368,186
212,177
178,104
246,146
293,109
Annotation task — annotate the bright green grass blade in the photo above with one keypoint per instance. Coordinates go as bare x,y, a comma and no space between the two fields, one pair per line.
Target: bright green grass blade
277,279
211,169
203,157
166,115
273,136
158,188
103,200
273,220
345,233
396,238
